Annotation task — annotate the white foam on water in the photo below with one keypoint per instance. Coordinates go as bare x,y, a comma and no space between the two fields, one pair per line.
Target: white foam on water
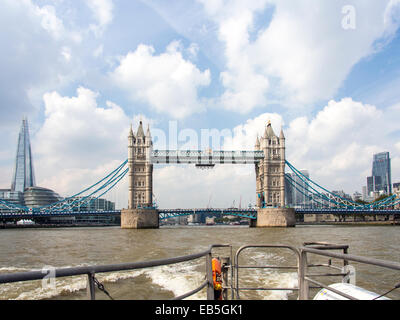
17,269
179,279
117,276
34,290
266,278
64,286
283,280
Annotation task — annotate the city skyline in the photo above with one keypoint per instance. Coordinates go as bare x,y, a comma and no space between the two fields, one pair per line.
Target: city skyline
83,71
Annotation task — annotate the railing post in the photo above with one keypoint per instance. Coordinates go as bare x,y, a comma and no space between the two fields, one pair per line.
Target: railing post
90,287
303,283
209,273
225,262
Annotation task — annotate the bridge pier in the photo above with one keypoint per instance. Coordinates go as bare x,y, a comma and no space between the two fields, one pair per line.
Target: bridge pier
274,217
139,219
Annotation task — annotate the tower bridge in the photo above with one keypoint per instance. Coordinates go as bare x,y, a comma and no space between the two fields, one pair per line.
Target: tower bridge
268,157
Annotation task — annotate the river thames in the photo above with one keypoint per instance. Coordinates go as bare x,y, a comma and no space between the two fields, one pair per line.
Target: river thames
32,249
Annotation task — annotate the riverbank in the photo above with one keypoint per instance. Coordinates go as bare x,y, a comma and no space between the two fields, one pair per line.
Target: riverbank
352,223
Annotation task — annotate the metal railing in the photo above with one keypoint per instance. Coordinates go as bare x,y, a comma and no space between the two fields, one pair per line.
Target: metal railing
306,279
322,249
91,271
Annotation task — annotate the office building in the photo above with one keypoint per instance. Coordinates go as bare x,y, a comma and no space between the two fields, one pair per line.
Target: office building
24,176
93,204
297,191
381,179
36,197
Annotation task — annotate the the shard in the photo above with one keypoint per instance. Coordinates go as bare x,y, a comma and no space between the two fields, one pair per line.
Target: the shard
24,176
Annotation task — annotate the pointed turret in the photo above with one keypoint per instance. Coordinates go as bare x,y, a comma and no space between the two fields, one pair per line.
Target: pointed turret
148,134
257,145
140,132
269,132
281,136
131,132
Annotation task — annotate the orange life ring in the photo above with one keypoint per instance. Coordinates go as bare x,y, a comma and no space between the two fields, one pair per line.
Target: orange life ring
217,278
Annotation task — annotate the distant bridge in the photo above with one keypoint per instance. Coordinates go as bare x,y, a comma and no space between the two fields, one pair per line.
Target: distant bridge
249,213
243,213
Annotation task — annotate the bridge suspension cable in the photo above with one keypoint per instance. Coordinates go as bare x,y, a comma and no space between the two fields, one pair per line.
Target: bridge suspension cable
113,178
330,197
97,190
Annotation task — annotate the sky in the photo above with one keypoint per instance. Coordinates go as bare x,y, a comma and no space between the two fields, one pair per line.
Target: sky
83,71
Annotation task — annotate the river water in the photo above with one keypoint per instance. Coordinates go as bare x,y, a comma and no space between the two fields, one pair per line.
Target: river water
32,249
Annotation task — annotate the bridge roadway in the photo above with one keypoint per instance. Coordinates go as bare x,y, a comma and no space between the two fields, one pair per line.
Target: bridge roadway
249,213
206,157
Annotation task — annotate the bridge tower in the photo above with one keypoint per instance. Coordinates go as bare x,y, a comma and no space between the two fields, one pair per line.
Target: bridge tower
140,169
140,213
270,173
270,181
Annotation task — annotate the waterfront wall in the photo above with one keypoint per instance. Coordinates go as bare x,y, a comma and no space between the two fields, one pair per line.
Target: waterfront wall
350,218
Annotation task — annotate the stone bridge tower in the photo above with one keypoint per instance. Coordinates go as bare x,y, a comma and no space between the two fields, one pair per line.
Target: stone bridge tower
140,169
140,213
270,182
270,173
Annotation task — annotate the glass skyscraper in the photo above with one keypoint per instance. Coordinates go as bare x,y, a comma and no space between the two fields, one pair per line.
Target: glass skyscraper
381,179
297,192
24,176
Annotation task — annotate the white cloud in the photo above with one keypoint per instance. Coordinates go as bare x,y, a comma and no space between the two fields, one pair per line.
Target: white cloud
49,21
167,82
98,51
77,125
391,17
302,56
306,47
66,53
103,14
245,87
245,135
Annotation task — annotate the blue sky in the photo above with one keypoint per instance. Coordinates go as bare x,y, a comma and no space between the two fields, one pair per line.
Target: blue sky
82,71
